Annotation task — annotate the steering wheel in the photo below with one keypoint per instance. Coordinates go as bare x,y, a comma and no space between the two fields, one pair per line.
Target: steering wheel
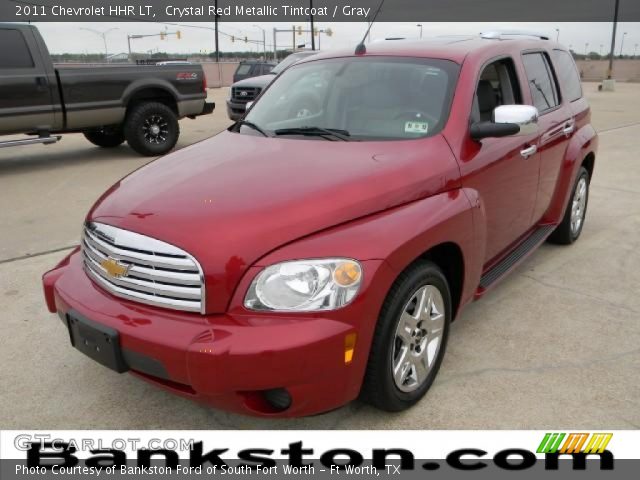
302,106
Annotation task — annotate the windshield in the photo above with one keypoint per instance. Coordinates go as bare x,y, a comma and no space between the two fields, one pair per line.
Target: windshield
370,98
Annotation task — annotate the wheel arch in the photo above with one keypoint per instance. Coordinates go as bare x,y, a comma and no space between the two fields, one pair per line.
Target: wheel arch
580,152
589,163
152,93
449,258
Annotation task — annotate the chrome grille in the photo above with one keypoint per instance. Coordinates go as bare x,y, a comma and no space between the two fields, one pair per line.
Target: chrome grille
244,94
156,273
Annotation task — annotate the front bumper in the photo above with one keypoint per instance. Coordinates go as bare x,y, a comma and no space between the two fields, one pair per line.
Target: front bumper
235,110
227,360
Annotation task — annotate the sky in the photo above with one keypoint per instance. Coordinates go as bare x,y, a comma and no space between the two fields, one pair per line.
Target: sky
73,38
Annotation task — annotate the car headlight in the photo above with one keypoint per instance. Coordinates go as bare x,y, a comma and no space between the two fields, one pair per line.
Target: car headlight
305,285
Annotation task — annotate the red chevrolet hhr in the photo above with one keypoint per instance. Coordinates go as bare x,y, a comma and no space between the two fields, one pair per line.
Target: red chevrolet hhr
318,250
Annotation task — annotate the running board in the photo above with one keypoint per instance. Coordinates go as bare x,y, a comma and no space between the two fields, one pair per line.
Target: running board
31,141
521,251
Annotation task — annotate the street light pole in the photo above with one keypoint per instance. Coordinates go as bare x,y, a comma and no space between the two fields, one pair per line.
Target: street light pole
622,43
313,38
613,40
264,41
557,35
420,25
586,50
215,4
104,37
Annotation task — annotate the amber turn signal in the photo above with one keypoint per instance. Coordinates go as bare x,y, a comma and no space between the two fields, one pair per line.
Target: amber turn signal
349,347
347,274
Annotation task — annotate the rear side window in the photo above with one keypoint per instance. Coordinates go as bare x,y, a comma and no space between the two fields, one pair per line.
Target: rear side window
541,83
568,75
14,52
243,69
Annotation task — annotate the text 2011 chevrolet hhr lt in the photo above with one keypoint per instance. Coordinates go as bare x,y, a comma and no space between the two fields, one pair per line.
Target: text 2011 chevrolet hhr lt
319,249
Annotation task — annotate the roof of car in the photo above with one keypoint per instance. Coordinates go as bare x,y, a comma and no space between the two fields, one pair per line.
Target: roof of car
454,48
269,62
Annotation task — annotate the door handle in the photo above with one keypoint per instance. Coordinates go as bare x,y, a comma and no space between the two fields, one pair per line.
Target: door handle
528,151
568,128
41,83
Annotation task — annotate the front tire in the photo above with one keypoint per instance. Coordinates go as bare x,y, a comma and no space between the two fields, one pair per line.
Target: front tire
151,129
571,226
410,339
105,137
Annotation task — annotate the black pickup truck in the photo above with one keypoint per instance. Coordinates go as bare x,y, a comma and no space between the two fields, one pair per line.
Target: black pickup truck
108,103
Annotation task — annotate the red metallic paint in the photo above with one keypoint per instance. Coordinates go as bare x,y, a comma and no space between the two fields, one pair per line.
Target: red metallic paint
240,203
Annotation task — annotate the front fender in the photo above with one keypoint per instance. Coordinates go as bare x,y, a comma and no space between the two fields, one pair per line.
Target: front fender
584,142
397,236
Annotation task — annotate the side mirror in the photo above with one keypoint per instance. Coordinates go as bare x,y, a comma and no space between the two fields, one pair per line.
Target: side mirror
508,120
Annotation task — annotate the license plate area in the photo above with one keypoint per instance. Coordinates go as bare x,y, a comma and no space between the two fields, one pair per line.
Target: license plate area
98,342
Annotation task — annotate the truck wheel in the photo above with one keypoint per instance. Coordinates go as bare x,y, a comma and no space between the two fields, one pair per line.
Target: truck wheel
151,129
570,228
410,339
105,137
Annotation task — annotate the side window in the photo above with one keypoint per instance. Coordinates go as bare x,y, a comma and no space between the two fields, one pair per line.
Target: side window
14,52
498,85
266,69
568,76
541,83
243,69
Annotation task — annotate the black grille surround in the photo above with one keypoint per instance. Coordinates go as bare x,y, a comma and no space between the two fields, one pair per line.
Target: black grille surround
245,94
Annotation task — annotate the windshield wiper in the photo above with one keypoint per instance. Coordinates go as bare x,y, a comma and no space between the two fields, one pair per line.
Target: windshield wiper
316,132
249,124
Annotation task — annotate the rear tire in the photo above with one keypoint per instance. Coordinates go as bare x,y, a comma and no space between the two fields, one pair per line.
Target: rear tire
569,230
105,137
151,129
409,342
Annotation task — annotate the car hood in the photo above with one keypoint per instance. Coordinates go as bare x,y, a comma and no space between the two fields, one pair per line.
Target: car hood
255,82
234,198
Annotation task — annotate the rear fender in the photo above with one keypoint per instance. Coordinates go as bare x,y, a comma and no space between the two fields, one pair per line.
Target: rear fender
584,142
138,86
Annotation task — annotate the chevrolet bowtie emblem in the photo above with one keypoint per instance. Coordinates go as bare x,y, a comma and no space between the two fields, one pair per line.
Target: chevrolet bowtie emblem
114,268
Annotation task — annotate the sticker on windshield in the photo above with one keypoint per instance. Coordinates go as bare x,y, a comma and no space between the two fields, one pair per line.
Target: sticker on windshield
416,127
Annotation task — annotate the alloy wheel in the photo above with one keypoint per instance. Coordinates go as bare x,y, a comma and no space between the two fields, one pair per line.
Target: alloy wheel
578,206
156,129
418,338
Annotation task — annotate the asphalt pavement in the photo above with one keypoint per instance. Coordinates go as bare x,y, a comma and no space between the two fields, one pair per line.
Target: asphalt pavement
557,344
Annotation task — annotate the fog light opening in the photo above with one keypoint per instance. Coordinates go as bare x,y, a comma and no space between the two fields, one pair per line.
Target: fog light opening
275,400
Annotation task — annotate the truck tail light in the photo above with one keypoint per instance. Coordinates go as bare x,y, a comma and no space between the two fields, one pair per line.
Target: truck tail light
204,82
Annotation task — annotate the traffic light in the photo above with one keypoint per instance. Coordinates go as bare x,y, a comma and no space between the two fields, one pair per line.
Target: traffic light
299,30
233,38
178,35
246,39
163,35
